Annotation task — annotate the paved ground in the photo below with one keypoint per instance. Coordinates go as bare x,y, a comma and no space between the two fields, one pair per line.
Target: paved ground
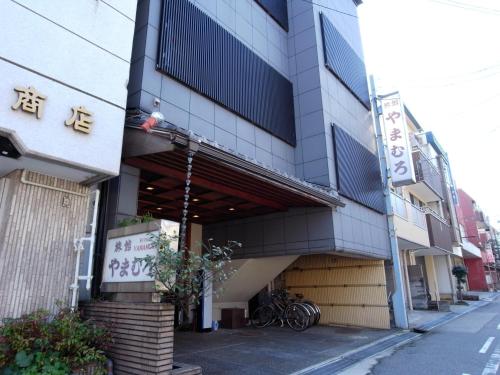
468,345
462,342
270,351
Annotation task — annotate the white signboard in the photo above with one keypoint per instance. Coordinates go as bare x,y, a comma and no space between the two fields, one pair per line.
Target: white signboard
398,145
121,263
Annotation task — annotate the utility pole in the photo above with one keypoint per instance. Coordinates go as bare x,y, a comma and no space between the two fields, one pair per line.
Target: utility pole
398,298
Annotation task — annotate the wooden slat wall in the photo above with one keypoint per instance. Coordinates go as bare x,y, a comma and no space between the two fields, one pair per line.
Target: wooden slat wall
37,260
143,335
349,291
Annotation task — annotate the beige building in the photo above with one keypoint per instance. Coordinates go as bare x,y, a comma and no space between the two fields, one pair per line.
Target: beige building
426,224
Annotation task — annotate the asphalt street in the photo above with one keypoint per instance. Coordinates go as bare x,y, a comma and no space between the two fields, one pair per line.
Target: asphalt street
468,345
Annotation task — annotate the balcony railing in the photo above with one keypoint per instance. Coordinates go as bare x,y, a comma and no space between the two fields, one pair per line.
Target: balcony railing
426,172
439,231
408,211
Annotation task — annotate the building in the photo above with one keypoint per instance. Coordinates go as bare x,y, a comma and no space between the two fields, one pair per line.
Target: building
425,221
64,68
267,114
478,232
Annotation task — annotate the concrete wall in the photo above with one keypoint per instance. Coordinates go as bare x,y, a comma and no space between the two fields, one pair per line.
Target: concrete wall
37,258
75,54
348,291
250,277
298,231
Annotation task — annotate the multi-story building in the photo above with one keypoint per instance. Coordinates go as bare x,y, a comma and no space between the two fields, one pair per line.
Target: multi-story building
64,68
426,223
477,231
268,103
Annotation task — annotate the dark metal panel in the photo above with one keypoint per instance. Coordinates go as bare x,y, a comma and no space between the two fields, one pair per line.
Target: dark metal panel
198,52
343,62
277,9
358,171
439,233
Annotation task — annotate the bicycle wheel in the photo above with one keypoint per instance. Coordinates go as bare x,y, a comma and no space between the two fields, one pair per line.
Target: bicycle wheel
312,312
317,311
263,316
297,317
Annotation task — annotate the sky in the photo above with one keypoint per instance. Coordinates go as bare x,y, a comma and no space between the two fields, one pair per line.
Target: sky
444,58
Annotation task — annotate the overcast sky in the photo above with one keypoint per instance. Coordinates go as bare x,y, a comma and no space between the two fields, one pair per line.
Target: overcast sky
444,58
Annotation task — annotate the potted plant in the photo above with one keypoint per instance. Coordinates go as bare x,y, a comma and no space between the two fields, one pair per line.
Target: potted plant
460,273
182,277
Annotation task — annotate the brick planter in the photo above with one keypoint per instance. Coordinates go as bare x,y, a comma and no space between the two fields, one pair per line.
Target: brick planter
143,335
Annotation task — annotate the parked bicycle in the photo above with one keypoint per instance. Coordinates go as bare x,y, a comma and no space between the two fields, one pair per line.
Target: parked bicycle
298,314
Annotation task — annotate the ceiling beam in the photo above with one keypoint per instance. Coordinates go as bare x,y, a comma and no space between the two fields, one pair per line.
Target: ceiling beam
200,181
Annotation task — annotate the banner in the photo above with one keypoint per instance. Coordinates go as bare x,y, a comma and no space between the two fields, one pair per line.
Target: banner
399,150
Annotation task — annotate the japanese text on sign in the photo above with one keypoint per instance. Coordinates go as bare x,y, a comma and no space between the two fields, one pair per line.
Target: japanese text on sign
122,254
32,101
398,145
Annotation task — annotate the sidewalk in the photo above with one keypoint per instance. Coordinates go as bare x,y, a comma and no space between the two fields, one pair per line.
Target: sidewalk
358,361
422,318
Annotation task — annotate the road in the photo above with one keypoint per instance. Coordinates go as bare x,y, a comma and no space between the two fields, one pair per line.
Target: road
469,345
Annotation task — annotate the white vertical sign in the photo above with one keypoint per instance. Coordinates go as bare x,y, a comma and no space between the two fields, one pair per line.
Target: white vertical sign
398,144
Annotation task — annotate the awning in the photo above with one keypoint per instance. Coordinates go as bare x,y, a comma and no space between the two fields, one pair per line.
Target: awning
224,185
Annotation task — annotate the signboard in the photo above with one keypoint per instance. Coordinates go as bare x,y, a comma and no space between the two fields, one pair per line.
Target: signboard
398,144
121,263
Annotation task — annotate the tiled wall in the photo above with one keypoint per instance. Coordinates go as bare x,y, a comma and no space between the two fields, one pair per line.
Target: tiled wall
185,108
319,100
297,231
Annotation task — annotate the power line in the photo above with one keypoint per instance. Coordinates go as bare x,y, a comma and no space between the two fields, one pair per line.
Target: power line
489,11
473,6
335,10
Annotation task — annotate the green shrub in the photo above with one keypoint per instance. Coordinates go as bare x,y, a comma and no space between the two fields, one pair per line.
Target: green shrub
40,344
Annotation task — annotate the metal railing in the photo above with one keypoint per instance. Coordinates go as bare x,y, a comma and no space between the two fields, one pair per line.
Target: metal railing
426,172
408,211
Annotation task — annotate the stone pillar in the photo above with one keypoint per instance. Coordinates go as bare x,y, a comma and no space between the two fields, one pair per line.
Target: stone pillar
40,217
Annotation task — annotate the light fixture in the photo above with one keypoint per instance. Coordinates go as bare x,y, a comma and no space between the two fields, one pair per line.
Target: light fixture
196,200
150,188
232,209
196,216
159,208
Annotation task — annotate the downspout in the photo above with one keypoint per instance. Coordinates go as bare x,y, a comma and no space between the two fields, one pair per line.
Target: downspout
78,247
399,306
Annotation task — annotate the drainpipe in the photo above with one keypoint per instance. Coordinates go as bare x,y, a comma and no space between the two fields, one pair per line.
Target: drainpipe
398,299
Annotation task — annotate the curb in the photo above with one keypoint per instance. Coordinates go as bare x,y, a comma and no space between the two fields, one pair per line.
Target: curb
337,364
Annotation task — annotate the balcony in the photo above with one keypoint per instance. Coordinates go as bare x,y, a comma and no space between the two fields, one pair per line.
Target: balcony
439,232
410,223
429,181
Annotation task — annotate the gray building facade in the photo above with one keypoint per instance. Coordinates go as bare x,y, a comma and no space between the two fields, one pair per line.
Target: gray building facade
274,90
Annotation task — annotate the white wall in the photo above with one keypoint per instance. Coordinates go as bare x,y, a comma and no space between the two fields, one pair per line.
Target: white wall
76,54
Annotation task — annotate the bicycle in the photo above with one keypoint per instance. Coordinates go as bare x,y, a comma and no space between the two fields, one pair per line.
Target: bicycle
281,309
311,306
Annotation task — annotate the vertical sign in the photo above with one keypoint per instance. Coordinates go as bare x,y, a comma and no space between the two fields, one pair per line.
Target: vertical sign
398,144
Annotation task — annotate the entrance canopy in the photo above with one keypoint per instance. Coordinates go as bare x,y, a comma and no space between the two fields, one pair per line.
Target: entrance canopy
224,185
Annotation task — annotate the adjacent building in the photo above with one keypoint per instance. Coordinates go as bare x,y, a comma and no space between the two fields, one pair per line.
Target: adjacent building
268,140
425,219
478,232
63,92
